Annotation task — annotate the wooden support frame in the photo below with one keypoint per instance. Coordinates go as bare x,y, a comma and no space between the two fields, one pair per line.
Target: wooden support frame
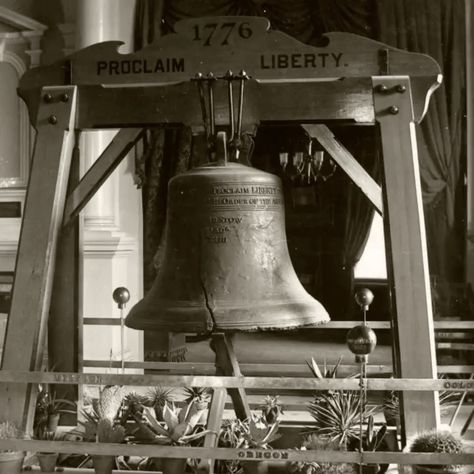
23,348
108,82
405,237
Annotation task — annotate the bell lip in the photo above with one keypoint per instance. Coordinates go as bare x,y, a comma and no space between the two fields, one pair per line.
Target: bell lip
195,322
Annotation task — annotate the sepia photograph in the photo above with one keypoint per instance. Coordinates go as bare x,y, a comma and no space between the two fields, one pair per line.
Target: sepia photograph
237,236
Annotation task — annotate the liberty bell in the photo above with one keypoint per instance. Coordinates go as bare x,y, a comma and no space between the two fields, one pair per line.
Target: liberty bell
226,265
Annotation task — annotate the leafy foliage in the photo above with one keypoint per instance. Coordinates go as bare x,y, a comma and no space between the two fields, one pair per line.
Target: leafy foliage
258,433
9,430
179,427
157,398
373,438
107,432
47,405
272,408
337,414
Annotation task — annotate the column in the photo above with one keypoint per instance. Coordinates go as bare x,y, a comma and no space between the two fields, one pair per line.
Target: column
112,219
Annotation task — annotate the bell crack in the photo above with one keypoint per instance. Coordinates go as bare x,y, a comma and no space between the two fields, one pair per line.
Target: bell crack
208,305
203,287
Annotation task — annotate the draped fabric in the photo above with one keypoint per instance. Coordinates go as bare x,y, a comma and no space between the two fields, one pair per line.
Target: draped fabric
358,212
436,27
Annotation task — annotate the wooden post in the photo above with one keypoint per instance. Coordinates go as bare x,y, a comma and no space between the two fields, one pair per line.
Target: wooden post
33,282
63,323
226,364
406,241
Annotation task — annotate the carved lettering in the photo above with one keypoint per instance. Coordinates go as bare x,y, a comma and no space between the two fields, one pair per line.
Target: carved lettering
140,66
300,60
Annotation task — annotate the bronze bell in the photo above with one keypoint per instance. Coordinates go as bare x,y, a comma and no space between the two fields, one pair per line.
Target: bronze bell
226,265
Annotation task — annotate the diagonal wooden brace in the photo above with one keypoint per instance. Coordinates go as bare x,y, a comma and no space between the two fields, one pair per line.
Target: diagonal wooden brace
118,148
226,364
348,163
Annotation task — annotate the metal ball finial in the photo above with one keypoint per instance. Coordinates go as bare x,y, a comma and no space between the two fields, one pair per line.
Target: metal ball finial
364,298
121,296
361,341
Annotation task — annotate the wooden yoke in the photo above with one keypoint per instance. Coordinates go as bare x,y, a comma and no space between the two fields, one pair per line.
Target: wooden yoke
290,82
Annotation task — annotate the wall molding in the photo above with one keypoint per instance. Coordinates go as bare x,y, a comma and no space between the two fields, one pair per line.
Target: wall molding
101,244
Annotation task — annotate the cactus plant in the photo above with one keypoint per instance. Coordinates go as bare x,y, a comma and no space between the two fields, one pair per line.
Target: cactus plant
438,442
317,442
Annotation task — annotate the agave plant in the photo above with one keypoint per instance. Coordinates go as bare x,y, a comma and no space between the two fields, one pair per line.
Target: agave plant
326,372
179,428
337,415
258,433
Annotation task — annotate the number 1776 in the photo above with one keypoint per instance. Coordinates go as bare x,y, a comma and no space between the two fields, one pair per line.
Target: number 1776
209,31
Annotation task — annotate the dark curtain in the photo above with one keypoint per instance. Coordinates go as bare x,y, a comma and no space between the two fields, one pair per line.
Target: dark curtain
358,212
436,27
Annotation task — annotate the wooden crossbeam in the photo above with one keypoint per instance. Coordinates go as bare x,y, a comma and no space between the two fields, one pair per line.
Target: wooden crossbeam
369,457
348,163
244,382
117,149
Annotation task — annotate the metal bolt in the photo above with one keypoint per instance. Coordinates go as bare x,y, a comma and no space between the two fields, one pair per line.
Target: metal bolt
64,97
48,98
400,88
381,88
52,119
393,109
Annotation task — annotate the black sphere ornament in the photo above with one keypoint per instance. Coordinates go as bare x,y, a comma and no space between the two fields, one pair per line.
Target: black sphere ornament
364,298
121,296
361,340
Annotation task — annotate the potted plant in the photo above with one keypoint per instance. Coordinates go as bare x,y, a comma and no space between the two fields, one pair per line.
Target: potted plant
179,428
272,408
231,435
435,441
47,460
337,415
48,411
157,398
372,441
100,425
257,433
316,442
11,462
